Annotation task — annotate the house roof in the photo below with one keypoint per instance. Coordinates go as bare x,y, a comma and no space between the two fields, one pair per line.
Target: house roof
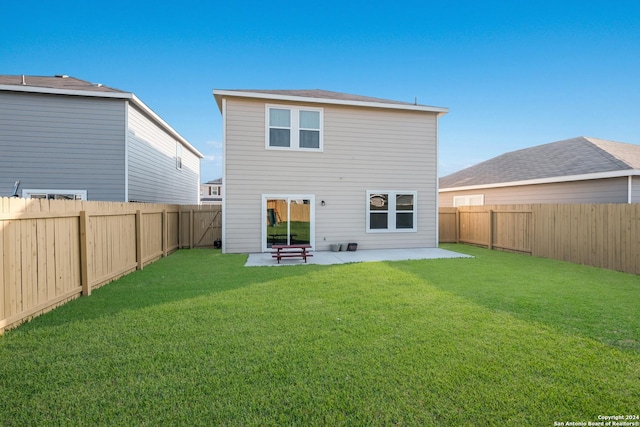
324,97
217,181
56,82
66,85
575,158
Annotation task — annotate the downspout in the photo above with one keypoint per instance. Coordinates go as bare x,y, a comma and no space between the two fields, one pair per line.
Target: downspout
437,238
224,175
126,150
629,192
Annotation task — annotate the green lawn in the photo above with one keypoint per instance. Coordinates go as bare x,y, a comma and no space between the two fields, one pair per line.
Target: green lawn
299,230
197,339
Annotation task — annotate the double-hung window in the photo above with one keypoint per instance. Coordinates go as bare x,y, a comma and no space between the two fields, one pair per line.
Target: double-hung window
178,156
389,211
294,128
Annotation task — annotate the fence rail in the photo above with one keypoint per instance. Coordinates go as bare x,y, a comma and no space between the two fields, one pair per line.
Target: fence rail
52,251
601,235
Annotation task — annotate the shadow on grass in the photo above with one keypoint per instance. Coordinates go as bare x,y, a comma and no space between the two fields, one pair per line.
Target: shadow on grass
184,275
357,344
591,302
579,300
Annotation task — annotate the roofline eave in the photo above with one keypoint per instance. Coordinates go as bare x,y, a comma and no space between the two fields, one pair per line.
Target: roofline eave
219,94
550,180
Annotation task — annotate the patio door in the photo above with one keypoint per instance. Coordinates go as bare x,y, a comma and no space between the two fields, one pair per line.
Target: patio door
287,220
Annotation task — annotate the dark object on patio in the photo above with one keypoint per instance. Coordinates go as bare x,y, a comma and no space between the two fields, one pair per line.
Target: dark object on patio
217,243
352,247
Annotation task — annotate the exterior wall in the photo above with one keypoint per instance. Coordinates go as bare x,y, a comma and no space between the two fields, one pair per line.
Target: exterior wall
610,190
211,193
364,149
58,142
153,175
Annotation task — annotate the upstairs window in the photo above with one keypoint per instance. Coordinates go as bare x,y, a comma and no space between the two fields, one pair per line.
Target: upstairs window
279,127
178,156
389,211
473,200
309,129
294,128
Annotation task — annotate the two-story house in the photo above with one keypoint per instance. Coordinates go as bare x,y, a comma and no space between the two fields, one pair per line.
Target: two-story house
67,138
211,192
319,167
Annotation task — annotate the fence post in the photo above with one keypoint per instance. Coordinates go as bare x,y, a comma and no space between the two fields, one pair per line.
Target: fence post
139,239
191,227
84,259
165,233
490,229
457,225
180,228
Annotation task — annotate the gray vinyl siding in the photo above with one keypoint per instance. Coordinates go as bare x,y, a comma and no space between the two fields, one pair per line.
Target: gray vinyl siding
635,189
153,176
364,149
61,142
609,190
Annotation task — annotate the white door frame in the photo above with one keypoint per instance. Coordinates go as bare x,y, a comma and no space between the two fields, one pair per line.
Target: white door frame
289,197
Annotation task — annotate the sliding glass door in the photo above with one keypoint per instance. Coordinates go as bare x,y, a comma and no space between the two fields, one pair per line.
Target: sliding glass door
287,220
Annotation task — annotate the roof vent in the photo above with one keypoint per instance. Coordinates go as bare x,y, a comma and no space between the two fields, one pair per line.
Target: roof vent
96,84
62,76
24,82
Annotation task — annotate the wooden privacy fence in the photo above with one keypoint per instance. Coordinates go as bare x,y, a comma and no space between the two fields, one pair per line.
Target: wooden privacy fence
52,251
282,210
601,235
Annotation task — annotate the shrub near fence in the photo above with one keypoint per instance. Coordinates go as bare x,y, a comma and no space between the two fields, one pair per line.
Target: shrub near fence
52,251
601,235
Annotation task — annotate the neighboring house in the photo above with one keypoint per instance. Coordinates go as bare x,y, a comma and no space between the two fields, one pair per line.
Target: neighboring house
67,138
319,167
211,192
576,170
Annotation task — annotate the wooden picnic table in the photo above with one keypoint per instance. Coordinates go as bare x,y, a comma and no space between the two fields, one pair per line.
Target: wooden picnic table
291,251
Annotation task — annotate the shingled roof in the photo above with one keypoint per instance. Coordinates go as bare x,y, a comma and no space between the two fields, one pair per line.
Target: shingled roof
324,96
63,82
327,94
575,156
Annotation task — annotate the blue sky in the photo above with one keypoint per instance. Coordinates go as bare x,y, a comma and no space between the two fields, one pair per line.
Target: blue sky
513,74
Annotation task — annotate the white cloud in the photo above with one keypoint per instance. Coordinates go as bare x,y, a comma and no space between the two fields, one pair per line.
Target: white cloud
214,144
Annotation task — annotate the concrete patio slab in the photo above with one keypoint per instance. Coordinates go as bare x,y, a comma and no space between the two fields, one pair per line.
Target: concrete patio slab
343,257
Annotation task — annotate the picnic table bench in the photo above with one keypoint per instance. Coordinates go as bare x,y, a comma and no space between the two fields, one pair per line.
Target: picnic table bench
291,251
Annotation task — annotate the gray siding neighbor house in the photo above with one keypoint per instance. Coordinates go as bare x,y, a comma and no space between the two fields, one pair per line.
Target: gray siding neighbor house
321,168
62,137
576,170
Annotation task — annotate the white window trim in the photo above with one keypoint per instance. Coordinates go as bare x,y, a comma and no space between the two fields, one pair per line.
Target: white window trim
28,193
392,212
469,200
289,197
294,127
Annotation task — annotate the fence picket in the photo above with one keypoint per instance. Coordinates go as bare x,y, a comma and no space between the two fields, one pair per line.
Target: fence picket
601,235
52,251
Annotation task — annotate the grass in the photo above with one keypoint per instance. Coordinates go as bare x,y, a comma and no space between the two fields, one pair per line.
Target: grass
197,339
300,231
